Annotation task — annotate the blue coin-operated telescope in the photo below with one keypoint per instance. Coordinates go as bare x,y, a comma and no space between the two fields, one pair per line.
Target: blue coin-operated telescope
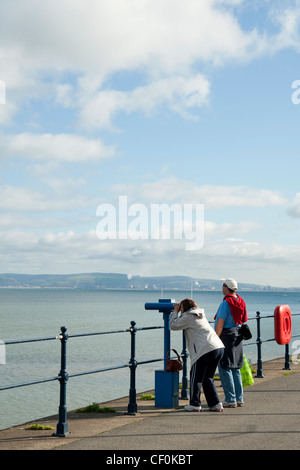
166,306
166,383
163,305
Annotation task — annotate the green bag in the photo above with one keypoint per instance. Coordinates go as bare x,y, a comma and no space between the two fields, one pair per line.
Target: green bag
247,378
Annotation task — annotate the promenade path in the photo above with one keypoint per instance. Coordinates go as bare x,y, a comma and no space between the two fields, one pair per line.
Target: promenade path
270,420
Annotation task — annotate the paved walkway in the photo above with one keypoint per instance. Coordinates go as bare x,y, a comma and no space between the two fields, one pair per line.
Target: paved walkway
269,420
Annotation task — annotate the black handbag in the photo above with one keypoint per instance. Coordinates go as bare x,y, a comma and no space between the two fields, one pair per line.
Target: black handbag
173,364
244,331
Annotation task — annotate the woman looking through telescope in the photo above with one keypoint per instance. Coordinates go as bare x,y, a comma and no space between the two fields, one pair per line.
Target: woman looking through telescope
205,349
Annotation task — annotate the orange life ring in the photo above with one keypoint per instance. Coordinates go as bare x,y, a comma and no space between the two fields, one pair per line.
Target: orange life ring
282,324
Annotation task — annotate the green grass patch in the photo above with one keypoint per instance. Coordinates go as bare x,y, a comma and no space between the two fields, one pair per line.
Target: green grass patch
147,396
95,408
253,371
38,427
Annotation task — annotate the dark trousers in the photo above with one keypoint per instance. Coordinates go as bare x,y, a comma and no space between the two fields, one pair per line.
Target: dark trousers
201,376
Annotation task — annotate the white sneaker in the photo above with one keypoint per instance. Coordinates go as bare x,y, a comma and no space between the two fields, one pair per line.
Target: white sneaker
229,404
192,408
217,407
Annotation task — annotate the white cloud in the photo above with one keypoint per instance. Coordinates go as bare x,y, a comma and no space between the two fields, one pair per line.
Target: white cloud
58,147
74,54
244,251
294,209
7,112
166,36
216,197
226,229
287,17
181,94
24,210
68,50
68,251
21,199
20,221
213,197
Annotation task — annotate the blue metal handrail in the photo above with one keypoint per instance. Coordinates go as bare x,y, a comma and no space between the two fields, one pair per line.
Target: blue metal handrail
105,369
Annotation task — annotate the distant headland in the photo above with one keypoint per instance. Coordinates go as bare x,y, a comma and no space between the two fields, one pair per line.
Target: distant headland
122,281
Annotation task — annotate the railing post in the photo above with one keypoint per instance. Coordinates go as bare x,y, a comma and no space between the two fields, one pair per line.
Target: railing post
259,373
184,354
287,364
167,337
132,405
62,425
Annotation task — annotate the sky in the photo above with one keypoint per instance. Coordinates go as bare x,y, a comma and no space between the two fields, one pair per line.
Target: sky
194,103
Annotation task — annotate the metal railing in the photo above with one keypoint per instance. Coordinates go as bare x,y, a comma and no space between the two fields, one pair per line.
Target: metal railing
259,342
132,409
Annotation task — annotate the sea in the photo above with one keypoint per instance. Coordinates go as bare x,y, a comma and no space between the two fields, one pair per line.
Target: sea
38,313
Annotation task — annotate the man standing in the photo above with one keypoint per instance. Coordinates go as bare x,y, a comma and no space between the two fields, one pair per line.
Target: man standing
231,313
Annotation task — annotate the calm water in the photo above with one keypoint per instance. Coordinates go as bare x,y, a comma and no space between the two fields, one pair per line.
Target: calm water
30,313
